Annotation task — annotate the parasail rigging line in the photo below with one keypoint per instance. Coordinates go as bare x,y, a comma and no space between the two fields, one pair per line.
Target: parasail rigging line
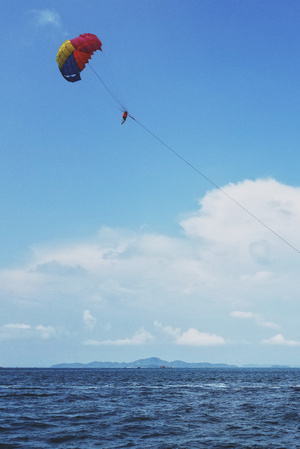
114,96
215,185
113,82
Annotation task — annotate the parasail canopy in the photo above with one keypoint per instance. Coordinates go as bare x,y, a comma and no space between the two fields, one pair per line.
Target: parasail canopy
74,54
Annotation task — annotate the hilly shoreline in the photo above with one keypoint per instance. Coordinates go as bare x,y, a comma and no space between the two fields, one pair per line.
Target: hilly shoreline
155,362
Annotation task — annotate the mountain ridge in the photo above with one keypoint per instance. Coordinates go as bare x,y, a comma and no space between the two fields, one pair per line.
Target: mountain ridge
150,362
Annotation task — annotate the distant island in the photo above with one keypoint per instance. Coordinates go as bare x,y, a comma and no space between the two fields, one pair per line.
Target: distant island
151,362
155,362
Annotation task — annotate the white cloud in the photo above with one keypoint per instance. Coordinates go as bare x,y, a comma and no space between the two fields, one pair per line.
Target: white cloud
19,331
222,261
191,337
169,330
89,320
256,317
45,331
45,17
17,326
215,253
220,222
280,341
141,337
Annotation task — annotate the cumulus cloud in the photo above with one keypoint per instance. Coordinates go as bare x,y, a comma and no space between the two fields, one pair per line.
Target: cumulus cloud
19,331
89,320
222,260
191,337
141,337
221,244
46,17
169,330
56,268
17,326
45,331
274,204
279,340
255,317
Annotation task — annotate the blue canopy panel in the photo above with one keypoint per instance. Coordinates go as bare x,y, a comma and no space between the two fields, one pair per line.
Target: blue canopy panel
70,70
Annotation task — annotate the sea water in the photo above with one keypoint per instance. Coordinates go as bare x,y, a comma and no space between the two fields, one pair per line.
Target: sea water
149,408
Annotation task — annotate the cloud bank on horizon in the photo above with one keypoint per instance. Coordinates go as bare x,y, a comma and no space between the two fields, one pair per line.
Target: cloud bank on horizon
128,288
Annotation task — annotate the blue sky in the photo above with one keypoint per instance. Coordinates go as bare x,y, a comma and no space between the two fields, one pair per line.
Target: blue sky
112,248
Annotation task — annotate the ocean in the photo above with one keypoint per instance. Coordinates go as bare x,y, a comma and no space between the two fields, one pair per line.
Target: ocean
149,408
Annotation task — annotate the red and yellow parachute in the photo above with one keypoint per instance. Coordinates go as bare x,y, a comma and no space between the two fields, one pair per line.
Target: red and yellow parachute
73,55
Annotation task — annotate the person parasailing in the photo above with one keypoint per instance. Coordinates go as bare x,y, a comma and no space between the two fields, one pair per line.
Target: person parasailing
124,117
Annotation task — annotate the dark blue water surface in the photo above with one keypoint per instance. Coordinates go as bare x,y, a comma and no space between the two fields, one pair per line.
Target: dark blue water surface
149,408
